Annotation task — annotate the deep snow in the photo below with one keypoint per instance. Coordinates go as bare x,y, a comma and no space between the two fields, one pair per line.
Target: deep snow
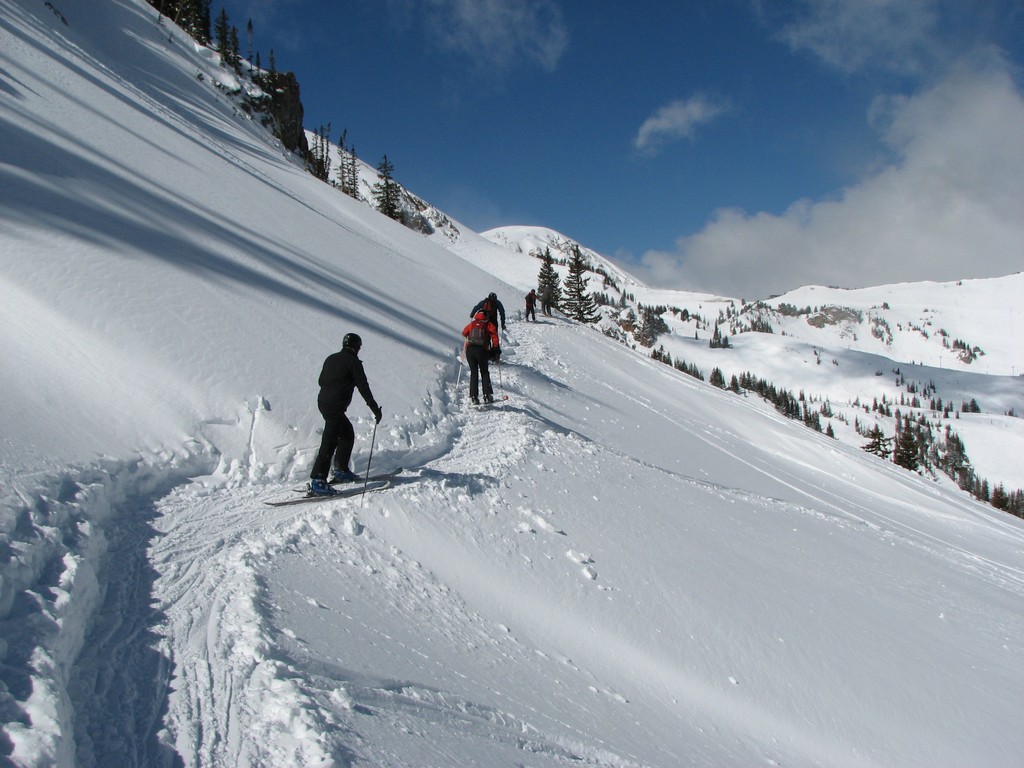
617,566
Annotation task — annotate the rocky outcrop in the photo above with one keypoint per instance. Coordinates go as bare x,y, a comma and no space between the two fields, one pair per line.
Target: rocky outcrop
285,112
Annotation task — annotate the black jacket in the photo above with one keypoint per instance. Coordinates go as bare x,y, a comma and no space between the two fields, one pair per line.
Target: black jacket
494,317
341,374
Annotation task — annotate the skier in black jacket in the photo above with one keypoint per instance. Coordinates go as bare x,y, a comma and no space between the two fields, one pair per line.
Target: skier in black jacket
493,308
341,375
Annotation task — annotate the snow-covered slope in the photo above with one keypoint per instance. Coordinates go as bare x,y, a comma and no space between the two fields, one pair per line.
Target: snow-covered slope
617,566
843,348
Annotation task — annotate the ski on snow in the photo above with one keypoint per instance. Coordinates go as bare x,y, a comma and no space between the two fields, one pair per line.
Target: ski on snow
362,478
355,489
376,482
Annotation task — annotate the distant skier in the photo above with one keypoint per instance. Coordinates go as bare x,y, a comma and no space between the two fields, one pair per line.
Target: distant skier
341,374
545,300
493,308
482,345
531,305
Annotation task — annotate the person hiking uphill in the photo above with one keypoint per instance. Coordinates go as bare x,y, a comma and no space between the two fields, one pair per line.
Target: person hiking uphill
493,308
342,373
546,298
482,345
531,305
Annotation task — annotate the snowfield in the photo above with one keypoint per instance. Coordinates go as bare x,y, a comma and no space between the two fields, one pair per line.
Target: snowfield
618,565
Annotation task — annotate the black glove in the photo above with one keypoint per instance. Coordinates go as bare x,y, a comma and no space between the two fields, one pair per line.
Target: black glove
503,326
495,353
378,414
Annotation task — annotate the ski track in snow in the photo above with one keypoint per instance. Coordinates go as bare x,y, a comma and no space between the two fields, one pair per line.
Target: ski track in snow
237,699
210,579
245,691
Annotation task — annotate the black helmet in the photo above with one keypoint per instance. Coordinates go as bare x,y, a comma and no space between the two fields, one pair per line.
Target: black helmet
351,341
492,296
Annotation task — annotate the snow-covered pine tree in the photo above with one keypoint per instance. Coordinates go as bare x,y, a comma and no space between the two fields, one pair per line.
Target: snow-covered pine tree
578,303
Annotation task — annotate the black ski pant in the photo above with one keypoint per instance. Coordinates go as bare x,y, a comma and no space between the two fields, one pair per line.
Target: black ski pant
338,440
478,358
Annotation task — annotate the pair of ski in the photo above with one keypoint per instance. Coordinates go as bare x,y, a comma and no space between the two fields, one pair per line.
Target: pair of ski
368,485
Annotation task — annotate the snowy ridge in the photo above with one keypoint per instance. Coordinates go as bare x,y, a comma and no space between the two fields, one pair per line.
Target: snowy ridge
618,566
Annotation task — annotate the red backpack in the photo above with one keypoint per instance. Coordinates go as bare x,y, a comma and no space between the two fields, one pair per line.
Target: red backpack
478,335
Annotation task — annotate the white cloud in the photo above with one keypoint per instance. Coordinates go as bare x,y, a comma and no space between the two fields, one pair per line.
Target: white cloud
676,120
950,206
500,33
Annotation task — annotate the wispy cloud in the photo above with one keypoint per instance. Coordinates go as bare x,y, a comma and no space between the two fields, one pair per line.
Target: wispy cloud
499,33
899,36
676,120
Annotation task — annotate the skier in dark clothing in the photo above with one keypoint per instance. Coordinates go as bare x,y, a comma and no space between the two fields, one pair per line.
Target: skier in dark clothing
493,308
482,345
531,305
546,300
341,375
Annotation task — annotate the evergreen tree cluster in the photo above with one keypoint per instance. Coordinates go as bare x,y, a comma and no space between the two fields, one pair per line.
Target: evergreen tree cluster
680,365
651,325
227,41
319,161
348,167
789,405
915,447
718,340
193,16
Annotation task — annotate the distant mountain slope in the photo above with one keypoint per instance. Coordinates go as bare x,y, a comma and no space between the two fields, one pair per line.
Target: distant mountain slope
949,343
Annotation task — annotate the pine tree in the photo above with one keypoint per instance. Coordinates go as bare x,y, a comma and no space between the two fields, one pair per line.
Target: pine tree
579,304
905,453
386,191
353,173
878,443
548,278
222,32
233,50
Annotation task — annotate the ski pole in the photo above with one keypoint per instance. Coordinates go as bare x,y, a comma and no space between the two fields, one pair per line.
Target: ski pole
366,480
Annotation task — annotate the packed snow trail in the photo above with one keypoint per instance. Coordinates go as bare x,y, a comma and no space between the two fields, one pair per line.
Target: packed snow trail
395,629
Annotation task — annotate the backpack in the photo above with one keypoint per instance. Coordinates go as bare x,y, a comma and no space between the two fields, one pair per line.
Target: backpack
491,310
478,335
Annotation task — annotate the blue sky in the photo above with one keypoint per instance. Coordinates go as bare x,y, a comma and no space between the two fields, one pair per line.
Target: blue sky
739,146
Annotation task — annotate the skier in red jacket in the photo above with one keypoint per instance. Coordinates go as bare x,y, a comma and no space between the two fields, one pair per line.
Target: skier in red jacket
482,345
